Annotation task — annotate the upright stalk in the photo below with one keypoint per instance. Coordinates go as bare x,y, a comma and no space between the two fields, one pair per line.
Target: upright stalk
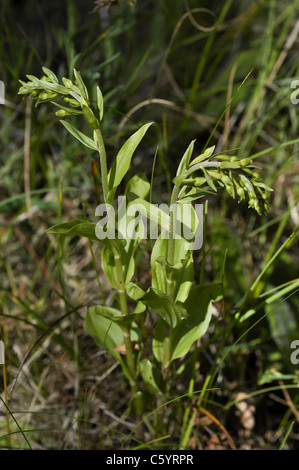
171,240
119,268
103,163
126,329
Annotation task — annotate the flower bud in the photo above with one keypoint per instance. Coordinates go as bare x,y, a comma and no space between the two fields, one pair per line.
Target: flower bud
46,79
230,165
252,203
226,180
230,190
61,113
245,162
68,83
71,101
241,192
255,176
44,95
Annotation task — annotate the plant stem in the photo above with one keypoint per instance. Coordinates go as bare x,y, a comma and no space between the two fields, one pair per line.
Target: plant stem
198,166
126,329
119,267
103,163
171,241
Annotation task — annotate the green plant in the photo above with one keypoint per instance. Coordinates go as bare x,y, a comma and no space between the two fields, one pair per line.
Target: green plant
182,310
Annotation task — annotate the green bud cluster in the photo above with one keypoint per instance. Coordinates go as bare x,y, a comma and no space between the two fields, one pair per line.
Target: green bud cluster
74,94
235,175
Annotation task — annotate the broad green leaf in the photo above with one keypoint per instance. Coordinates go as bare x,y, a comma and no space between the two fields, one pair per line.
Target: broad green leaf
84,228
183,270
138,186
152,212
161,342
282,321
79,227
140,308
107,334
187,224
134,291
163,305
130,221
151,376
123,159
184,163
108,265
116,315
182,274
130,227
79,135
183,267
195,324
159,279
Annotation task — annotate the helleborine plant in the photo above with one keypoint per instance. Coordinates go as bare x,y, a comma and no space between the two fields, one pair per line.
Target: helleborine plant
182,310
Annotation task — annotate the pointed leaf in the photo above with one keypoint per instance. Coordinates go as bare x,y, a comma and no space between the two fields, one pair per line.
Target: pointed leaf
138,186
151,376
81,85
84,228
124,157
161,343
151,212
80,136
108,266
184,164
50,74
100,103
163,305
204,156
182,274
195,325
183,277
106,334
79,227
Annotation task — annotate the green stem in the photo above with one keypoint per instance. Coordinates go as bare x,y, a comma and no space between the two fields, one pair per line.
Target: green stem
200,165
103,163
171,240
126,329
119,268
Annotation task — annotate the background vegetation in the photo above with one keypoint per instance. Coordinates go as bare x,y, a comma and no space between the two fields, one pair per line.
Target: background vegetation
154,60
